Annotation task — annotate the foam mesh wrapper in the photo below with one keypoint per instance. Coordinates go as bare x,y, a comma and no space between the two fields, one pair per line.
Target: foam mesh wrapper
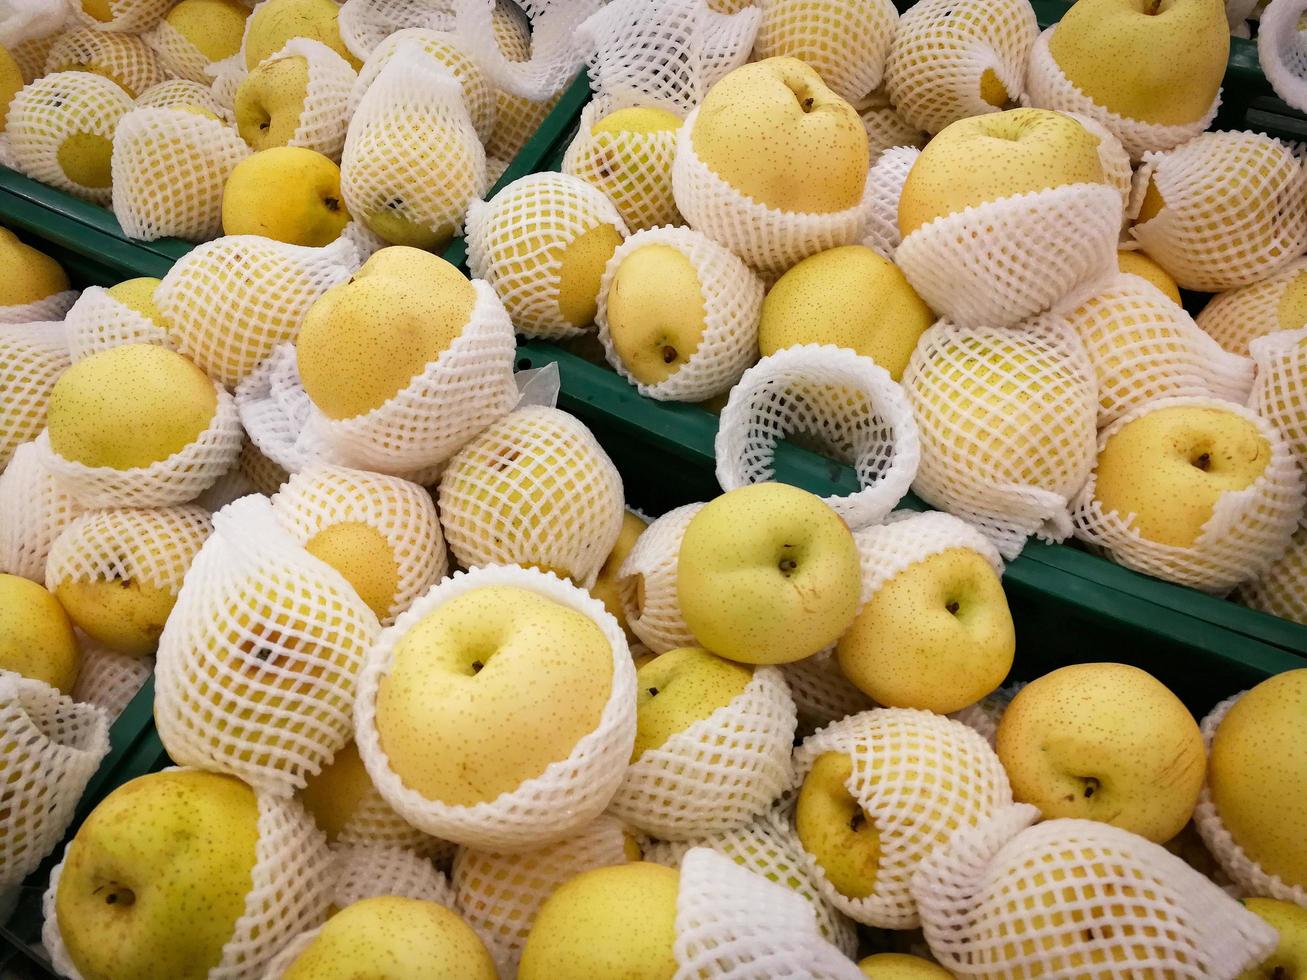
846,44
177,55
325,113
556,52
1238,316
98,321
50,309
107,679
885,550
543,809
646,583
174,93
34,356
821,692
1279,394
1281,590
1282,50
365,24
34,510
124,57
888,174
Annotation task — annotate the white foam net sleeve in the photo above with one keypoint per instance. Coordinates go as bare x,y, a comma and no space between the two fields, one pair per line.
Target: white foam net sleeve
728,42
231,486
176,92
718,773
365,24
846,44
258,665
533,488
324,115
517,240
885,550
1279,394
919,778
888,174
1006,422
1281,590
1117,167
767,846
768,239
1002,261
169,170
177,56
411,148
34,510
50,110
1047,87
266,476
180,478
232,301
500,894
1248,530
1282,50
647,583
34,355
98,321
1237,316
107,679
50,745
1144,347
52,308
468,387
1235,210
124,58
401,512
556,49
543,809
373,870
821,692
941,51
885,128
226,80
366,242
848,403
732,303
734,924
1010,900
1246,873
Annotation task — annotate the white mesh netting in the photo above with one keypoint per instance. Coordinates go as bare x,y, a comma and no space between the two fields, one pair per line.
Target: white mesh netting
516,118
885,128
556,51
324,115
401,512
176,92
266,476
34,509
169,170
181,477
886,179
719,772
52,307
468,387
1001,261
736,925
50,745
122,58
109,680
519,241
1279,394
291,891
1282,50
533,488
227,78
1144,347
366,242
27,40
732,302
1248,530
372,870
259,663
942,51
1234,209
412,160
500,894
365,24
275,409
1236,317
768,239
847,44
178,57
647,583
233,300
918,778
821,692
68,105
1250,877
728,41
1047,87
1006,421
1117,168
33,356
847,403
99,321
1281,590
232,485
1010,900
543,809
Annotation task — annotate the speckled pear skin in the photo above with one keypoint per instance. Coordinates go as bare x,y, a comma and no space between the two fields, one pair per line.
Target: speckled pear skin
777,134
333,795
834,829
618,921
363,555
270,101
127,616
656,313
30,275
36,636
1290,957
1257,773
215,27
277,21
154,881
1104,742
583,261
128,407
605,588
288,193
637,120
682,686
138,294
393,938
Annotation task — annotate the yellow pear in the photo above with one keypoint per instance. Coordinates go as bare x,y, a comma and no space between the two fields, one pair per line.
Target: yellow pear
850,297
36,637
364,340
635,174
101,10
332,796
834,828
214,27
127,616
638,119
1257,774
287,193
1291,311
901,966
85,159
157,877
680,687
1289,961
618,921
656,314
270,101
362,554
606,588
11,80
277,21
774,132
1104,742
138,294
129,406
504,679
584,258
1159,61
1139,264
998,155
1169,468
30,275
